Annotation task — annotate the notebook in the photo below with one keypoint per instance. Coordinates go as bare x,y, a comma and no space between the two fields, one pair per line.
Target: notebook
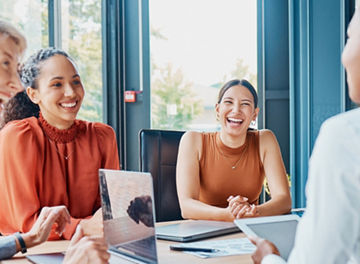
195,230
128,214
279,229
128,217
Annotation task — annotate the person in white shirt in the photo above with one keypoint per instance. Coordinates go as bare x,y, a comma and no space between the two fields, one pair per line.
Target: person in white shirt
329,231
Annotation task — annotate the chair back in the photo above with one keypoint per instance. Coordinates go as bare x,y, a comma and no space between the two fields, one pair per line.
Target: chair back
158,155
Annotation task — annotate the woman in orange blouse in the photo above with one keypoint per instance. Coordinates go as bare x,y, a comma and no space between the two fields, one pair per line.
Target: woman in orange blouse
53,159
220,175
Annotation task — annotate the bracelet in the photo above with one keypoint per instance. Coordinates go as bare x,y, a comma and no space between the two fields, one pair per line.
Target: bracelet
21,242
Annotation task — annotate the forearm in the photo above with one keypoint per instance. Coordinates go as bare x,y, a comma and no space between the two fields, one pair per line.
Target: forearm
7,247
194,209
275,206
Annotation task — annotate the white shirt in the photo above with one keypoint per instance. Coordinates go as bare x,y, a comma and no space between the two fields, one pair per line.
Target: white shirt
329,231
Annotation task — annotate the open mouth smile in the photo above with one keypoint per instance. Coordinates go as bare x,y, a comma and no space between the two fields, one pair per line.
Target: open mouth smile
235,120
69,105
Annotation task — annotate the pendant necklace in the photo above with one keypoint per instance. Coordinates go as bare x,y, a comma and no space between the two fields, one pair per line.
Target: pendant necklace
228,161
66,157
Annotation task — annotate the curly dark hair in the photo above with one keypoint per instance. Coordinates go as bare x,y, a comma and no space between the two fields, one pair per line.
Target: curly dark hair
18,107
31,68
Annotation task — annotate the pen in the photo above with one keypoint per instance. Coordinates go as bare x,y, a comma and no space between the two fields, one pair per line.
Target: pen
188,248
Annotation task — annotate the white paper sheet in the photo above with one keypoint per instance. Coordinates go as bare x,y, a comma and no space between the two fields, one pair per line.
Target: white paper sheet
226,247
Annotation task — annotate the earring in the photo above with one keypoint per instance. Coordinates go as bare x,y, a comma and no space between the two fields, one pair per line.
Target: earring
253,123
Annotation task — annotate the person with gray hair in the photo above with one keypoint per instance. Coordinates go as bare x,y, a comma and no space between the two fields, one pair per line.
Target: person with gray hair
12,47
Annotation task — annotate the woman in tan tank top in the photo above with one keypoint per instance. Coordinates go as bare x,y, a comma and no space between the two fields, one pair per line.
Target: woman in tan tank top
219,175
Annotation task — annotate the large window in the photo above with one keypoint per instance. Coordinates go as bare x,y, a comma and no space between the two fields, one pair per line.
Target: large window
80,36
196,46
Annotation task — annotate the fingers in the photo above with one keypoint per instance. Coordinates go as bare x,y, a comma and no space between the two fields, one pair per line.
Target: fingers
87,250
62,218
255,240
56,214
242,212
77,236
237,199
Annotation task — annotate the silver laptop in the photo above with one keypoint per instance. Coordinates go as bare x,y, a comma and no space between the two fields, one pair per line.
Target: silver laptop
193,230
128,214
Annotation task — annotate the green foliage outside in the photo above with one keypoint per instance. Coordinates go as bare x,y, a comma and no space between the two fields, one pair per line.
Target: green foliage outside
84,45
81,38
173,103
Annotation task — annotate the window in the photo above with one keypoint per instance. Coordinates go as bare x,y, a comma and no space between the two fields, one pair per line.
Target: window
196,46
25,15
80,37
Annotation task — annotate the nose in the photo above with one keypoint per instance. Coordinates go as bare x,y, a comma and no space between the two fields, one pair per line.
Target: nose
236,107
69,91
15,83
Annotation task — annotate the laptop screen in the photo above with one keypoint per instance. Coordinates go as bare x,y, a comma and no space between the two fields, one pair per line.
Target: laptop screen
128,213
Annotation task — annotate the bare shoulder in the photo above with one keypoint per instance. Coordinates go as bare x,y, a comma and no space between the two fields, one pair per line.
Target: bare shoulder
191,138
267,139
266,135
191,141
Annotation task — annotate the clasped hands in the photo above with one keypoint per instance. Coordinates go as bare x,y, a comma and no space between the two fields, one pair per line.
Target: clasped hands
239,207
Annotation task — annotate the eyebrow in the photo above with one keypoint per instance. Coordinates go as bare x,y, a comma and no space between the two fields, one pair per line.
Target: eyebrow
61,78
8,55
247,100
57,77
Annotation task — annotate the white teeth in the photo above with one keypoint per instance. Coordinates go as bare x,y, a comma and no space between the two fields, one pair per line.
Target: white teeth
235,120
68,104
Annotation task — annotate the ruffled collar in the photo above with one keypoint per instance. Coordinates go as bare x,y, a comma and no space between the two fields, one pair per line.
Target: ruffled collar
61,135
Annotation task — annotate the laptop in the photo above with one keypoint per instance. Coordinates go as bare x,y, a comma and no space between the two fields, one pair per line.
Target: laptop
128,217
128,214
279,229
193,230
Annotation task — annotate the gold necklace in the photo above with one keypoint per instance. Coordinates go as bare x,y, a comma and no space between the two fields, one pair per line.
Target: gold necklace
228,161
66,157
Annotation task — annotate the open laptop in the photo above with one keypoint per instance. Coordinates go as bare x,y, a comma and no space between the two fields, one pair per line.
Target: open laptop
128,217
195,230
128,214
279,229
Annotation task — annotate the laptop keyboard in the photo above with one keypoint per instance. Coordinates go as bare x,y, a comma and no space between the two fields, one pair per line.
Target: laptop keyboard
143,247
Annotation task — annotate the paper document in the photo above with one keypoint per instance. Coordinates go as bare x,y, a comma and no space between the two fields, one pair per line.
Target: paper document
226,247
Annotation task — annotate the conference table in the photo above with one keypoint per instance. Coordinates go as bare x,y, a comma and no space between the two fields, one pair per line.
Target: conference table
165,255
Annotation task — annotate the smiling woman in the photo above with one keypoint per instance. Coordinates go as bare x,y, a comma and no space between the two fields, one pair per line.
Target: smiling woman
59,155
220,175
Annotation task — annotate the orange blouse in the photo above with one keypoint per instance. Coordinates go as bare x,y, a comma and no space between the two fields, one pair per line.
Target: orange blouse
43,166
226,171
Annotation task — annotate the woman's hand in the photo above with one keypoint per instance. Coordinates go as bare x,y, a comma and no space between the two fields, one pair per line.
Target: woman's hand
86,249
240,208
263,248
94,225
49,216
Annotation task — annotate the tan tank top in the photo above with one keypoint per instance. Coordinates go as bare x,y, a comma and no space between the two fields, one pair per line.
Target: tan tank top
218,178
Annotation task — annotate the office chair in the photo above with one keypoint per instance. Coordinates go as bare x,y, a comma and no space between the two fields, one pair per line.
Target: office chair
158,155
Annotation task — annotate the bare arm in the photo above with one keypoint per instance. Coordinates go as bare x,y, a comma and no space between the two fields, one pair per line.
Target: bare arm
188,182
275,174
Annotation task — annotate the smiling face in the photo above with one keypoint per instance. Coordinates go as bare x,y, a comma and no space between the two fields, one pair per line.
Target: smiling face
59,92
236,110
9,79
351,57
